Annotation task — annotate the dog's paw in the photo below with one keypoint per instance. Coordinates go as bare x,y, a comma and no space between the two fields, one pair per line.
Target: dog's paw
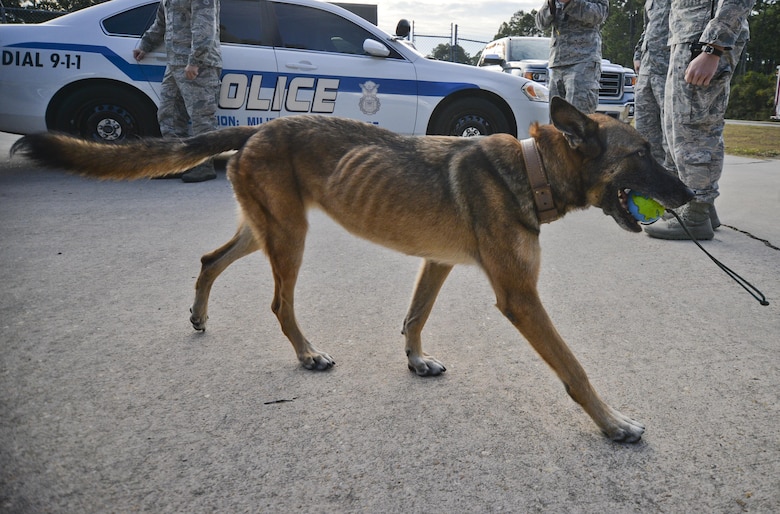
316,360
198,322
624,429
426,366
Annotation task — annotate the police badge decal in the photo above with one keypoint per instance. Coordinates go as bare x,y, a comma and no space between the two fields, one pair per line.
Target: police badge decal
369,103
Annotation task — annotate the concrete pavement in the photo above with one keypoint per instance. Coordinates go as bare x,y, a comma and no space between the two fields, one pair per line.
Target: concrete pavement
110,402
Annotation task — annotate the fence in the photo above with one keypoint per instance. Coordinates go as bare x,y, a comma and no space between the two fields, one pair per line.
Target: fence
21,15
450,47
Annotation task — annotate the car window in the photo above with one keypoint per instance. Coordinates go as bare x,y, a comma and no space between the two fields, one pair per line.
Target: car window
314,29
131,23
241,21
497,49
522,49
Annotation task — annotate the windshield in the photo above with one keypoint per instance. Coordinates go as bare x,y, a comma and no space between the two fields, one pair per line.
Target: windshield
530,48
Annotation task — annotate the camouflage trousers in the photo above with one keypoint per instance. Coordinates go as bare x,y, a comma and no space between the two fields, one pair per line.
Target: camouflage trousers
578,84
694,120
648,113
188,107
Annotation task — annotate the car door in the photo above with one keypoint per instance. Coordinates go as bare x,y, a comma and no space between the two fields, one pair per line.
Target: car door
323,69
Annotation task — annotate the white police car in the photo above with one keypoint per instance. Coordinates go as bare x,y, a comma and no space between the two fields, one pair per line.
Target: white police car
77,74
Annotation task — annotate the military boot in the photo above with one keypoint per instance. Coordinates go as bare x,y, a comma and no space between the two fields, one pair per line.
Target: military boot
714,220
695,215
200,173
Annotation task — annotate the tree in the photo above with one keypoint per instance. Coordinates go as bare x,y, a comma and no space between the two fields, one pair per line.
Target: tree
621,31
446,52
52,5
762,53
521,24
752,97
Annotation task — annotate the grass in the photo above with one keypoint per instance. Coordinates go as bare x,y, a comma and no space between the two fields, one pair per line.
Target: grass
752,140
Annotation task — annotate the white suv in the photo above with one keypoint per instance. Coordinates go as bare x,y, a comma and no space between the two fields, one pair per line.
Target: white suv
527,57
77,74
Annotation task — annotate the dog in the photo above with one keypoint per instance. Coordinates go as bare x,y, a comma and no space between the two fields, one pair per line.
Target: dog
449,200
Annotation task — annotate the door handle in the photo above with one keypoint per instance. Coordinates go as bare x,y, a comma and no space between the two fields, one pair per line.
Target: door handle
301,65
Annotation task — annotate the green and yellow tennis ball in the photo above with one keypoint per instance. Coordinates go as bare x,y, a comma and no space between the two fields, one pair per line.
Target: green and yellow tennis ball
643,208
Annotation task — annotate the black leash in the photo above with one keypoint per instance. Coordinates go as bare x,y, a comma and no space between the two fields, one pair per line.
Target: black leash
750,288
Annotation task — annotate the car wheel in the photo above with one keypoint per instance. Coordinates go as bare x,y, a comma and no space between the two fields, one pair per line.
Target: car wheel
471,117
108,115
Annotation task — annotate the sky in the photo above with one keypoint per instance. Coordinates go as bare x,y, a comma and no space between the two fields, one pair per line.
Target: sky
477,19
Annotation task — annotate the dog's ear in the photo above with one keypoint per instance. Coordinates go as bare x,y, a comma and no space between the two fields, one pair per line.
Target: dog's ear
580,131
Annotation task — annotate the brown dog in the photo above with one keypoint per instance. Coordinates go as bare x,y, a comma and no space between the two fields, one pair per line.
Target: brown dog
449,200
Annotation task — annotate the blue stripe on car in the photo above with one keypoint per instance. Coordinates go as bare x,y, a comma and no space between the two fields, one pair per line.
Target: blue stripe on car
154,73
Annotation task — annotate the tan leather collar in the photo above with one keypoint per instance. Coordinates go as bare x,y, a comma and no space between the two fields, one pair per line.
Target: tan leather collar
545,206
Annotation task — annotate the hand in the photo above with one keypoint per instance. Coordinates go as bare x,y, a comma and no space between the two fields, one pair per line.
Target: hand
701,69
636,66
191,71
138,54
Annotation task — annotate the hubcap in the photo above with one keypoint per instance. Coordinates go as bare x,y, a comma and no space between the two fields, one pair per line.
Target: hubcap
109,129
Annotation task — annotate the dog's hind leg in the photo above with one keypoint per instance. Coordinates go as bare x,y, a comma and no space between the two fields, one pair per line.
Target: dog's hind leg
429,281
213,264
518,300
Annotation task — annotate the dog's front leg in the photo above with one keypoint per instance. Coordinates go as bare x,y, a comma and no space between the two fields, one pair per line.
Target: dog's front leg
429,281
524,309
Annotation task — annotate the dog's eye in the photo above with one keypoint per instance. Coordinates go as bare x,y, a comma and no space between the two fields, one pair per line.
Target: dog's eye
641,154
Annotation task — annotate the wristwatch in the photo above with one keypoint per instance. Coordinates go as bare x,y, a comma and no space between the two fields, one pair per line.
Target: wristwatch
709,49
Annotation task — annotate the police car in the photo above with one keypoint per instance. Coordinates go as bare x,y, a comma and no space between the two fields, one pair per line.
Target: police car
77,74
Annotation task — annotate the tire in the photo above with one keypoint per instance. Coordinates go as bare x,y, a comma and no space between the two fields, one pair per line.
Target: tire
106,114
471,117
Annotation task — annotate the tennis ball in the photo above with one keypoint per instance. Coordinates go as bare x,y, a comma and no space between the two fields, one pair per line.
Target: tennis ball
643,208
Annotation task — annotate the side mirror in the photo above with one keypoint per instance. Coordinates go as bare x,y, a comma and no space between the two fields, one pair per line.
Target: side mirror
491,59
375,48
403,28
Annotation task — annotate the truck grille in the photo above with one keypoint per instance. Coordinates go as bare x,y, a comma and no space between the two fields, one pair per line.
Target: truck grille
611,85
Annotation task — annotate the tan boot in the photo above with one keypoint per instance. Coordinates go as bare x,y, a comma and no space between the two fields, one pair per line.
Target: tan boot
695,216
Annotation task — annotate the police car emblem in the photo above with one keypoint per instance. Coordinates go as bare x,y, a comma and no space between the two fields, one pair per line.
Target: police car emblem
369,103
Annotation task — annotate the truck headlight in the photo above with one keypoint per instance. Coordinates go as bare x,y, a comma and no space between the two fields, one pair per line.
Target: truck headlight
536,76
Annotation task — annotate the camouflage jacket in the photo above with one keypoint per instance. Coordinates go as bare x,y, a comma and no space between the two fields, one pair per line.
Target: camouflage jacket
576,30
190,30
652,48
693,20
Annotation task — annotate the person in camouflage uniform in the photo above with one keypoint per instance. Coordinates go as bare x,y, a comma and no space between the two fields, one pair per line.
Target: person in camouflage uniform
706,39
190,86
651,62
575,49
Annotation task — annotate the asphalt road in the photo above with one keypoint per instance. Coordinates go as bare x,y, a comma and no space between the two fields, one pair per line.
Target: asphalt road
110,402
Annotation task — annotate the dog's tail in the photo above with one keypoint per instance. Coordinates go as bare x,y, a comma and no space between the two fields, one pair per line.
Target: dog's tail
141,158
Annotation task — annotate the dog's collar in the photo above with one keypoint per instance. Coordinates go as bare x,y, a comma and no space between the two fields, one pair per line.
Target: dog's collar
545,206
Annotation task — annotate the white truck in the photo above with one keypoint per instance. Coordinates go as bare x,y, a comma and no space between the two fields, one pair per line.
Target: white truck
527,57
